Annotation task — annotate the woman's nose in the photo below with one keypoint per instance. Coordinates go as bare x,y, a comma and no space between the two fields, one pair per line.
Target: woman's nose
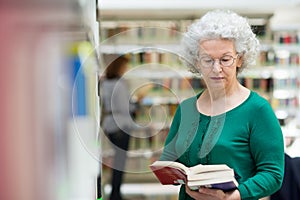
217,66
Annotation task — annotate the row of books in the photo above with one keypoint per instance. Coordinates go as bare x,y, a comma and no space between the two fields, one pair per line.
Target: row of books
287,83
263,85
278,58
123,35
270,84
177,84
163,31
292,102
286,37
154,57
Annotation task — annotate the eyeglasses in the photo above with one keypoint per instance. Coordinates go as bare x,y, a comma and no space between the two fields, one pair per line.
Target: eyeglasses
225,61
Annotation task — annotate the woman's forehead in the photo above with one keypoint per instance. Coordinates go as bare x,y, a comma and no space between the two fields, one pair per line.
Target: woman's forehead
216,45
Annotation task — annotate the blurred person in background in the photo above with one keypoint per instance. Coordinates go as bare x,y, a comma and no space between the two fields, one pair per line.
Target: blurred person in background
226,123
117,112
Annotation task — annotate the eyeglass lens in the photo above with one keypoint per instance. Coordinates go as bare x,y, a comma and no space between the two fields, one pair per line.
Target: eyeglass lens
225,61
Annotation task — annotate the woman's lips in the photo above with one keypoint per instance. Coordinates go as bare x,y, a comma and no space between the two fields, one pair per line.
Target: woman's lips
217,78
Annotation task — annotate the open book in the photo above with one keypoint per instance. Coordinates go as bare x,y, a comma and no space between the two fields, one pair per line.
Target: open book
212,176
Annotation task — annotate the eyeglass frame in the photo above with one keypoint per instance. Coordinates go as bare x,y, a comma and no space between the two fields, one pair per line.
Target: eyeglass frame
219,60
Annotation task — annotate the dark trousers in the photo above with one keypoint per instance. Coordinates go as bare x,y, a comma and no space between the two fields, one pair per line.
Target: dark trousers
120,143
290,189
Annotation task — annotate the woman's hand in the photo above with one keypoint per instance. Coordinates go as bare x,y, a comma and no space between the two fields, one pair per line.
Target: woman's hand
212,194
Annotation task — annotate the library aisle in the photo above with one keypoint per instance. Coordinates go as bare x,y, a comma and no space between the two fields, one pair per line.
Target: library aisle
149,34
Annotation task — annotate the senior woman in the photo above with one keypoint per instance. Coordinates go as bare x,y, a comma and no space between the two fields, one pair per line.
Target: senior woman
226,123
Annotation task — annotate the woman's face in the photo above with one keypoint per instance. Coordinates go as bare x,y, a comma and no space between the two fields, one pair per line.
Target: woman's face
217,63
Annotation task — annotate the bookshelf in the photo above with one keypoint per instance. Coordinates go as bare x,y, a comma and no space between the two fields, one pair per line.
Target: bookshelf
41,154
286,73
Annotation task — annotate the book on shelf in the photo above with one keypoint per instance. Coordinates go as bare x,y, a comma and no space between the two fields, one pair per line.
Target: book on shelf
218,176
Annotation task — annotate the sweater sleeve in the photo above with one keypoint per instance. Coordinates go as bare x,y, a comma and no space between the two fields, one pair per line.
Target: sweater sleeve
169,152
267,149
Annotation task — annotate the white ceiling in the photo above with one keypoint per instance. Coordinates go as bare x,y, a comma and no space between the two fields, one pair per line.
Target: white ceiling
283,13
183,4
173,9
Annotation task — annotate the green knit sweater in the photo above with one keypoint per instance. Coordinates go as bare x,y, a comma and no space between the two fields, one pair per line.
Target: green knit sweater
247,138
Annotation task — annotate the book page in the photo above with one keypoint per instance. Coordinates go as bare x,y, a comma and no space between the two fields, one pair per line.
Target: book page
172,164
210,175
208,168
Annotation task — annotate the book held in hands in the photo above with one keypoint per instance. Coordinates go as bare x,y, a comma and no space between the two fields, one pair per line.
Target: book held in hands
218,176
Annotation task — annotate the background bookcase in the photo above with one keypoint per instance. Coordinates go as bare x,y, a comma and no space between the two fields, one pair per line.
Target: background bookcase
152,45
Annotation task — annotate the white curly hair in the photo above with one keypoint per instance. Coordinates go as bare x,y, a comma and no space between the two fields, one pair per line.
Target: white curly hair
224,24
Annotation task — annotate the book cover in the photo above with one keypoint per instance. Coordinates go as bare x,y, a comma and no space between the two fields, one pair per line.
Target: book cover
217,182
225,186
169,175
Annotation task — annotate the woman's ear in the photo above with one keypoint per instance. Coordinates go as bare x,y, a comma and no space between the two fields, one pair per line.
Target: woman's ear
240,60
